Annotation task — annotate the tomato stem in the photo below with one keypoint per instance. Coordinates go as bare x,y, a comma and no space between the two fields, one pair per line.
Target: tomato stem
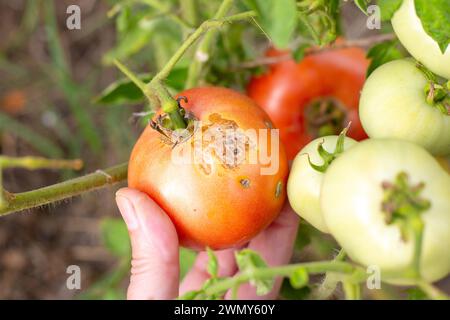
201,55
224,284
352,290
42,196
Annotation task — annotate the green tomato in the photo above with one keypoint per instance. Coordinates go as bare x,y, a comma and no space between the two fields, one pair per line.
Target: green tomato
304,182
352,197
393,105
420,45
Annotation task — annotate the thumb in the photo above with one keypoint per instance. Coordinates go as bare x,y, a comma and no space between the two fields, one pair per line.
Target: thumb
154,243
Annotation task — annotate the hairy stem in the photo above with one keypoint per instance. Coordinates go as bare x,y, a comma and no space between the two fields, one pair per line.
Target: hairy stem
35,198
201,55
204,27
330,282
225,284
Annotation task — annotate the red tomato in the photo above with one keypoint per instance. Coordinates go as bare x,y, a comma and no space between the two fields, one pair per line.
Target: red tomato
315,97
218,205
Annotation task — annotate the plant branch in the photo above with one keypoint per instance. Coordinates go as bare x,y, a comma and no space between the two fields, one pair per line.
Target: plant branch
222,285
39,197
205,26
330,282
201,55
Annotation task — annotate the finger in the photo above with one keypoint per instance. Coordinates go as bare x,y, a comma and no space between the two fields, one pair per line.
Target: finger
154,242
195,278
275,245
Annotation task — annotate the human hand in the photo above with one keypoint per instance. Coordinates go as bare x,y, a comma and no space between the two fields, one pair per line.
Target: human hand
155,262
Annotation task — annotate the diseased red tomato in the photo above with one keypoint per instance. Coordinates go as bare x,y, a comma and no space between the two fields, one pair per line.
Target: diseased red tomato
217,202
313,98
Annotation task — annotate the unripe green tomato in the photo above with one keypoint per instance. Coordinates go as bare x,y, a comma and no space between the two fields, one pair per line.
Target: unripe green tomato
352,197
420,45
305,182
393,105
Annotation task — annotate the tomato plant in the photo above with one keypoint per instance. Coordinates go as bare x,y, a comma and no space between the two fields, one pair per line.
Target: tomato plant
307,173
220,203
375,194
315,97
410,30
205,159
396,102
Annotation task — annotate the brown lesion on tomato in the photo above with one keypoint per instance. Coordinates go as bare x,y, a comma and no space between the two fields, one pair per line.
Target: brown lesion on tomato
168,135
245,183
224,140
278,189
268,124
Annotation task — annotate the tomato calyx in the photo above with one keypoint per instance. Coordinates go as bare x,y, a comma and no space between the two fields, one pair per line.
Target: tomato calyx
437,93
165,125
325,116
404,206
438,96
329,157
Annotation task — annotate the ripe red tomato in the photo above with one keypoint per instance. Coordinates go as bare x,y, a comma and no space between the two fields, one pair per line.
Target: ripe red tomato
313,98
220,204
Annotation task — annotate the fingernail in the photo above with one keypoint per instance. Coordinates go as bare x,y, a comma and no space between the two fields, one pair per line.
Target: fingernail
128,213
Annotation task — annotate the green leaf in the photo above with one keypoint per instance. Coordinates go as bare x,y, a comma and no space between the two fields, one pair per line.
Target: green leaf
435,17
299,278
249,260
362,5
122,91
212,266
388,8
187,259
136,37
277,18
382,53
115,237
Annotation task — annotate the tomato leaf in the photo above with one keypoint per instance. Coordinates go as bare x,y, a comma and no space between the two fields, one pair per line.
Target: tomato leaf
122,91
212,266
249,260
388,8
362,5
115,237
277,18
299,278
435,17
382,53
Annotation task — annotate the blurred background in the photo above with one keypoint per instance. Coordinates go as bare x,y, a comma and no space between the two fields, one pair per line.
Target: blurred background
57,101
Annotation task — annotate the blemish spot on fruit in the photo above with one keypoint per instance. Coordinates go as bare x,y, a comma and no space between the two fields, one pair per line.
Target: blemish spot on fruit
223,140
278,189
268,124
245,183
